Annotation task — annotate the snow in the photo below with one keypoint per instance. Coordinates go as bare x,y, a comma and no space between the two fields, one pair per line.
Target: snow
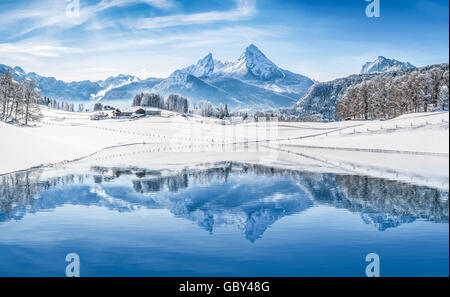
252,62
252,76
255,63
417,153
113,83
422,132
322,98
382,64
204,67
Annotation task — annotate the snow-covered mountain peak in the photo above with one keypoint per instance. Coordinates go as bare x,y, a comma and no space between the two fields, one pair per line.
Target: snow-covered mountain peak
251,82
204,67
208,58
252,65
253,49
383,64
255,63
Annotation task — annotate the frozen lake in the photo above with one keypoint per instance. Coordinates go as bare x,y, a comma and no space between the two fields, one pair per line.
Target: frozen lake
226,219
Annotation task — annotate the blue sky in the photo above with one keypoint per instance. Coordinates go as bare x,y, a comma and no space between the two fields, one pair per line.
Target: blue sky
323,39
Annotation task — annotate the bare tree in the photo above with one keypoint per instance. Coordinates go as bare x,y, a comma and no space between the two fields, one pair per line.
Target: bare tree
19,99
31,97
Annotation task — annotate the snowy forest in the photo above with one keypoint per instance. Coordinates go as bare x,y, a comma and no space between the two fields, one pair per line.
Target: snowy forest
19,101
390,95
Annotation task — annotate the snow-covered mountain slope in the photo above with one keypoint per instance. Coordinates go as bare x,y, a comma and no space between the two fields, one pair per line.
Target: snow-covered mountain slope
119,80
255,68
129,90
193,88
114,83
251,96
253,81
321,100
382,64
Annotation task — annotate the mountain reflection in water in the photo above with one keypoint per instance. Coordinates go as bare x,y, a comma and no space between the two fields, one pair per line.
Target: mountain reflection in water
252,197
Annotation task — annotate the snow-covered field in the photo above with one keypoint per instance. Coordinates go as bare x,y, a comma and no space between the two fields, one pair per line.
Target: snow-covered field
421,132
174,140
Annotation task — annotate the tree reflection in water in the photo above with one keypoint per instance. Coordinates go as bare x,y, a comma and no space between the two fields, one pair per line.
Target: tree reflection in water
207,196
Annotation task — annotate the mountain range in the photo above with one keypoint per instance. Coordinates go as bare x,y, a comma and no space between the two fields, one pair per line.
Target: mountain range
382,64
121,87
252,82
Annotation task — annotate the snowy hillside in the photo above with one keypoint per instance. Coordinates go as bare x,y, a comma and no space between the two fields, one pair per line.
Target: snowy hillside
382,64
128,90
321,100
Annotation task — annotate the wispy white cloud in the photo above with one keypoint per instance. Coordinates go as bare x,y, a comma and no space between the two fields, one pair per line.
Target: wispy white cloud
244,9
48,47
54,13
228,34
34,49
163,4
100,53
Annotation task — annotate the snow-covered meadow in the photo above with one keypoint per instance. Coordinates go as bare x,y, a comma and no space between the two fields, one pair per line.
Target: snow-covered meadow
413,144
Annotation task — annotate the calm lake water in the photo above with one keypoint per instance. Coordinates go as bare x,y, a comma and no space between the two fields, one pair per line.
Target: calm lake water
227,220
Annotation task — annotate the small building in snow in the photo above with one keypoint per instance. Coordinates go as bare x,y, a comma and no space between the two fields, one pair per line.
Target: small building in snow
156,113
118,113
140,111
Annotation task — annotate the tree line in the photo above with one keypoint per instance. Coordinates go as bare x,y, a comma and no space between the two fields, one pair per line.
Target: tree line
174,102
205,108
61,105
180,104
390,95
19,100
